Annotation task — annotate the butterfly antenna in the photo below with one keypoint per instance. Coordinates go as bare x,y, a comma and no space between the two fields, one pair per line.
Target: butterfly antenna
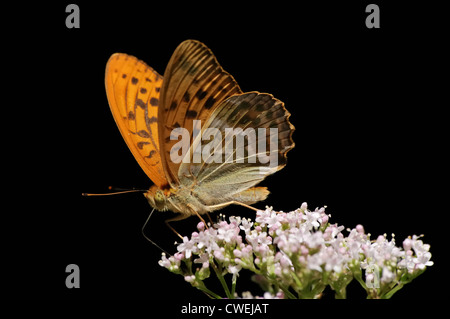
145,236
113,188
119,189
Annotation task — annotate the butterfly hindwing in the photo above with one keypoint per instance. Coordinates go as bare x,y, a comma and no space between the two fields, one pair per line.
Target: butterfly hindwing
246,164
195,84
133,91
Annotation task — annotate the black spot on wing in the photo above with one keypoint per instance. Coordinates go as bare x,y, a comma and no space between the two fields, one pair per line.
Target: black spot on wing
209,103
140,145
150,120
154,101
150,155
141,104
260,107
201,94
143,133
191,114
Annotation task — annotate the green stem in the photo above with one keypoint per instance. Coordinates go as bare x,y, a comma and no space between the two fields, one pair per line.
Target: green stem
233,285
389,294
340,294
210,293
361,282
297,280
222,281
287,293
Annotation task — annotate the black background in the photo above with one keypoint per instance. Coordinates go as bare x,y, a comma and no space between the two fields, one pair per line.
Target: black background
365,103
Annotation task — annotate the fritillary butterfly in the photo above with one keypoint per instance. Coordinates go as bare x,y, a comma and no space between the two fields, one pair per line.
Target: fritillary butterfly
148,107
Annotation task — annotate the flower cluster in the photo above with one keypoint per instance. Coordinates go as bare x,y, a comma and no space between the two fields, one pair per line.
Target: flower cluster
296,255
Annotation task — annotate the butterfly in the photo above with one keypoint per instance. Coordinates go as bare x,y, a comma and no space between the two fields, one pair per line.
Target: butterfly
195,89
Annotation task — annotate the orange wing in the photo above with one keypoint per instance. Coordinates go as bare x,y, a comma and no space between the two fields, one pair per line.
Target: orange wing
133,90
194,86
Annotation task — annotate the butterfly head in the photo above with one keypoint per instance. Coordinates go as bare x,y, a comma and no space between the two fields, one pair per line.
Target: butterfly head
157,198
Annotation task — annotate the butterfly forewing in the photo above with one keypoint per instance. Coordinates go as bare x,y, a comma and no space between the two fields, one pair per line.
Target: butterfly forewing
195,84
133,91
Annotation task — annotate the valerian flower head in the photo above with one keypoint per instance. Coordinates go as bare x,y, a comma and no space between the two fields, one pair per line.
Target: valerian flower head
296,254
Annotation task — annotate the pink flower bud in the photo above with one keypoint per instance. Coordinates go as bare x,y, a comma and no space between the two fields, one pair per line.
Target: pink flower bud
179,256
407,244
360,229
237,253
304,251
201,226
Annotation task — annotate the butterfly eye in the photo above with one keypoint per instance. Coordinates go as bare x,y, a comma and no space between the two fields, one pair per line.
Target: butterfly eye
156,198
160,198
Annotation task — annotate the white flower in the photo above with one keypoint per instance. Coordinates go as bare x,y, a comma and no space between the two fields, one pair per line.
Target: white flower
273,220
293,218
190,278
164,262
208,239
257,239
328,258
262,216
218,254
246,225
245,252
313,240
172,263
228,232
203,259
387,275
407,244
284,262
236,220
234,269
312,219
188,247
418,245
303,207
423,260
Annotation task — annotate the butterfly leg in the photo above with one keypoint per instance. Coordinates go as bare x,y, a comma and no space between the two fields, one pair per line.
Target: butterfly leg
194,212
210,219
176,218
219,206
